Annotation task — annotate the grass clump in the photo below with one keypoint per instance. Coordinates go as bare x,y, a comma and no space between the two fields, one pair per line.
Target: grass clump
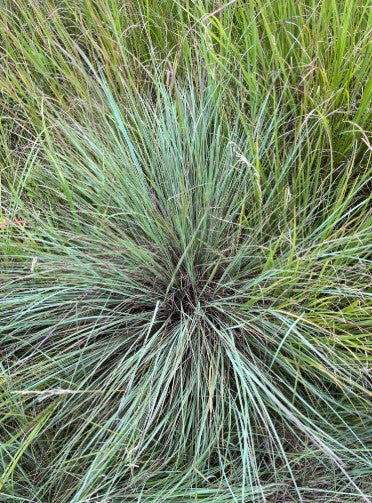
184,257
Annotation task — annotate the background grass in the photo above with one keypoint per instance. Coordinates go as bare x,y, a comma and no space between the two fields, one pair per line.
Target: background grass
185,229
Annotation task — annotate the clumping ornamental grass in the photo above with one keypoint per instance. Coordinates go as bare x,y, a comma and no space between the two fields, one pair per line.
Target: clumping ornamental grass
184,255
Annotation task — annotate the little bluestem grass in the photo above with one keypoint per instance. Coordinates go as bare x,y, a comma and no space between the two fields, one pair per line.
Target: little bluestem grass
185,231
